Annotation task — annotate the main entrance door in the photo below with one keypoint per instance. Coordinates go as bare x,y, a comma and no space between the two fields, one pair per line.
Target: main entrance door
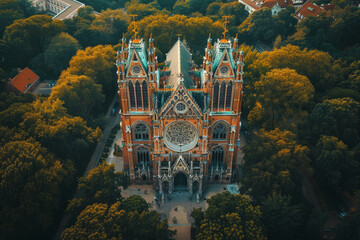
180,182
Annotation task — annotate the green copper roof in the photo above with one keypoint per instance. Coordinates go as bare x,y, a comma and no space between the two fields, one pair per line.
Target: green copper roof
218,52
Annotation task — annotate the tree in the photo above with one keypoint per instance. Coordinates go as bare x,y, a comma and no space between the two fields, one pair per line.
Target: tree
68,137
31,180
102,185
98,64
105,221
319,67
14,115
231,217
109,26
331,162
236,10
286,21
274,162
260,25
281,96
28,37
81,95
182,7
336,117
59,52
134,203
140,9
165,30
281,218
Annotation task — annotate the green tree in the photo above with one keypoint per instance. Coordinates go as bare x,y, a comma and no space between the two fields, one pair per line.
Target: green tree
331,162
103,221
109,26
281,96
68,137
140,9
286,21
98,64
231,217
28,37
31,182
260,25
182,7
281,218
134,203
102,185
14,115
59,52
336,117
274,162
236,11
81,95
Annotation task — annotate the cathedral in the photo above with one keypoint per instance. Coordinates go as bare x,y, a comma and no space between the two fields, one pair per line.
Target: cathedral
180,124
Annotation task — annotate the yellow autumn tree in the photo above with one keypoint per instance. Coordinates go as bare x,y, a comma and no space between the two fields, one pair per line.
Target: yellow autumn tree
281,96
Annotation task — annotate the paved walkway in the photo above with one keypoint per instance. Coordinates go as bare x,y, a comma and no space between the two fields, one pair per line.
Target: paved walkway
179,206
94,160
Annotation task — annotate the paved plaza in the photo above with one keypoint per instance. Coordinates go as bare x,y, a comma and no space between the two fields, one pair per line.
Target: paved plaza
178,207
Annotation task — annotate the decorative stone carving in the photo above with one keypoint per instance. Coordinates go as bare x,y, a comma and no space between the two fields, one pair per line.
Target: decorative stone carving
128,129
181,136
233,128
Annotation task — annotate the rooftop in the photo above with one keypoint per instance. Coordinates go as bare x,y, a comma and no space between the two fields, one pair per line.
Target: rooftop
24,79
180,61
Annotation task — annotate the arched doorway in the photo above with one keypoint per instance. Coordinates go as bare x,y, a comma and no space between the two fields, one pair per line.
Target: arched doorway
180,182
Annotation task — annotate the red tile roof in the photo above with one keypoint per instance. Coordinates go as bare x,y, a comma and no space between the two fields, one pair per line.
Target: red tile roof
257,4
24,79
309,9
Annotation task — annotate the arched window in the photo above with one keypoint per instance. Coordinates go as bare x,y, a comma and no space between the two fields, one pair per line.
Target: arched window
222,95
220,131
138,94
216,95
143,155
141,132
131,95
217,155
145,94
228,95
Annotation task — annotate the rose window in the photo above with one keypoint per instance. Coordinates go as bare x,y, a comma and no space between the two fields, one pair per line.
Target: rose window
136,70
180,107
224,70
181,136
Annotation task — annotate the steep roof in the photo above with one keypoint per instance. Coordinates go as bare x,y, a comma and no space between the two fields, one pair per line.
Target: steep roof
180,63
309,9
24,79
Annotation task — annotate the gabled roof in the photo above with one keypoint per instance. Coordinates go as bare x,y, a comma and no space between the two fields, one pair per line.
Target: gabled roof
218,52
181,89
179,58
309,9
139,47
24,79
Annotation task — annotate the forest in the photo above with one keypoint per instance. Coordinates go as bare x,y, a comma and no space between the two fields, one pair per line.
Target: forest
301,114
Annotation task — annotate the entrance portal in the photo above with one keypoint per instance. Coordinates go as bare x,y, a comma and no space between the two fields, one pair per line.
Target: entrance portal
180,182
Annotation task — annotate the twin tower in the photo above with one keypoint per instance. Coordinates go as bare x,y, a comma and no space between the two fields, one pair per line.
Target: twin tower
180,124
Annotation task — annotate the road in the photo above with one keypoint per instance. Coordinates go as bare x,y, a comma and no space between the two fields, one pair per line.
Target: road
94,160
